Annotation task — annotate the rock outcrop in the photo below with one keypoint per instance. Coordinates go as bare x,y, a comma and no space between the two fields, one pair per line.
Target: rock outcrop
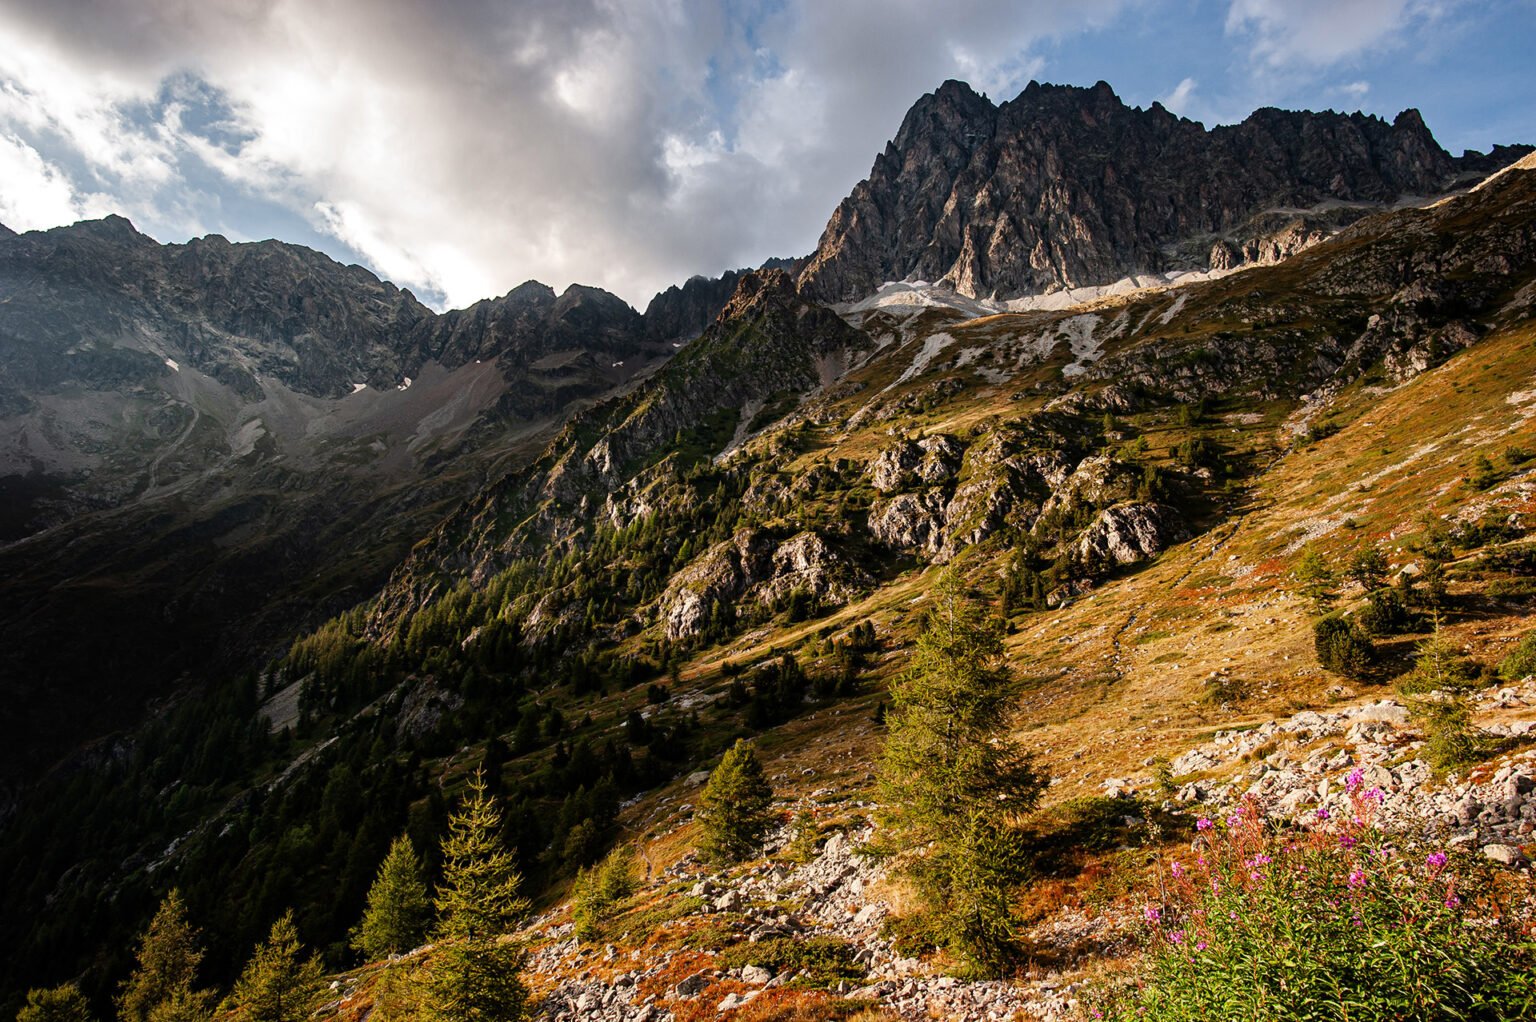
750,569
1130,533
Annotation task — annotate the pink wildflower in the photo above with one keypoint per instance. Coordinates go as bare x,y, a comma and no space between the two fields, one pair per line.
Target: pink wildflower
1357,877
1152,914
1202,824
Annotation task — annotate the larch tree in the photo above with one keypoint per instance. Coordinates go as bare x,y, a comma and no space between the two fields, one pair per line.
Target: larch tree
953,781
161,986
55,1004
277,984
735,810
473,974
398,907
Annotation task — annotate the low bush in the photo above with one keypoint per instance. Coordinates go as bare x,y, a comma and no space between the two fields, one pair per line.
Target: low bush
1521,660
1334,922
822,960
1342,647
599,890
1386,613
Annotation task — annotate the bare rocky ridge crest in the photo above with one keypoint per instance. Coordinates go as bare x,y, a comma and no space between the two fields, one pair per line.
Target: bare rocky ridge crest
1064,187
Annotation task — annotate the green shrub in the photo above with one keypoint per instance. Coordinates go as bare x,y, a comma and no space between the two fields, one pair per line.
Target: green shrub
1342,647
1521,660
1483,474
1369,568
1450,740
824,960
1516,559
1337,922
599,889
1512,588
1385,613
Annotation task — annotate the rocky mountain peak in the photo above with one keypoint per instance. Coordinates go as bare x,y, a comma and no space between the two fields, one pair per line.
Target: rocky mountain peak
758,290
1065,186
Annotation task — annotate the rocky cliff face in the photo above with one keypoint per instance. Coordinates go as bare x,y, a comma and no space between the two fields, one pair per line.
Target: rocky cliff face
1066,187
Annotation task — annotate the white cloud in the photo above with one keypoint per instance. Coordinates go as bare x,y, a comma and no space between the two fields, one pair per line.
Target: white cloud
1356,90
33,194
1180,99
463,148
1295,34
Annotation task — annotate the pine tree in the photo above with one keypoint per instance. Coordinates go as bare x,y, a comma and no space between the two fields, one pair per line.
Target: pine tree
952,780
56,1004
276,986
473,976
160,989
734,810
398,910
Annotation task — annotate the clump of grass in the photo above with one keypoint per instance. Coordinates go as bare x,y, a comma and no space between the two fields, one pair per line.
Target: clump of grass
1337,921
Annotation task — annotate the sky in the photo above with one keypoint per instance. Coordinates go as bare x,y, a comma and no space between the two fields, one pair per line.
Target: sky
462,147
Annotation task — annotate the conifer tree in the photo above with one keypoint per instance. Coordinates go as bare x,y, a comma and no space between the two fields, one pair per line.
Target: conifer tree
398,910
276,985
952,780
473,976
55,1004
160,988
734,811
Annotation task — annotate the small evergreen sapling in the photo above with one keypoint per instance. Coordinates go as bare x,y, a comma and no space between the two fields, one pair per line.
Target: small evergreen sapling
735,809
277,985
398,910
160,988
600,888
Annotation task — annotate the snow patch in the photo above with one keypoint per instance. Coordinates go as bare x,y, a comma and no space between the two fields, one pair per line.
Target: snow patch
358,387
405,385
172,363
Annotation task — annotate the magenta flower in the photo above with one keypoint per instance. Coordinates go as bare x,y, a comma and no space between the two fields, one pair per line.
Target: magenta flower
1176,936
1436,860
1346,841
1357,877
1201,946
1322,814
1202,824
1176,869
1355,779
1452,901
1152,914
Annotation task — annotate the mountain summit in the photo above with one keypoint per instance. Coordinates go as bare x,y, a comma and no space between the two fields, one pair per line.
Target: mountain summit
1066,187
